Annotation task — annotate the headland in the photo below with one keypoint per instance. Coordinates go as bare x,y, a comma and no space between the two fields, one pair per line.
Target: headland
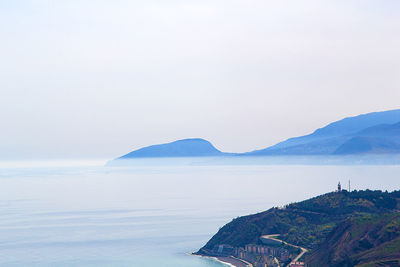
340,228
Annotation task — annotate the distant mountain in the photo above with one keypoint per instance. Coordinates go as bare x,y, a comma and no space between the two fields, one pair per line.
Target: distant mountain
372,133
382,130
345,126
384,138
346,136
182,148
363,145
341,229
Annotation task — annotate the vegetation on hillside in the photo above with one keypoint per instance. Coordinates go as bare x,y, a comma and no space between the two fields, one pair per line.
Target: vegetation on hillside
366,240
371,216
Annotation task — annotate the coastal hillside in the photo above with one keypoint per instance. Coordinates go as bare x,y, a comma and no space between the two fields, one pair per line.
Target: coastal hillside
384,138
364,240
377,132
346,126
318,224
182,148
372,133
368,145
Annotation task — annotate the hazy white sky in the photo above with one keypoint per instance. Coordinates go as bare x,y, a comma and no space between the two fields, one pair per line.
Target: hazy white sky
99,78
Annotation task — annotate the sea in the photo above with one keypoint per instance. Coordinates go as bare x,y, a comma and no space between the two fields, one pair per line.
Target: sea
153,212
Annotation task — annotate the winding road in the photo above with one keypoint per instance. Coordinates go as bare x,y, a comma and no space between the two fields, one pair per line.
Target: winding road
272,237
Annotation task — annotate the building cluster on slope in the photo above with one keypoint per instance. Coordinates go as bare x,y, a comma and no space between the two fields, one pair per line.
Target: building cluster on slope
258,255
297,264
264,255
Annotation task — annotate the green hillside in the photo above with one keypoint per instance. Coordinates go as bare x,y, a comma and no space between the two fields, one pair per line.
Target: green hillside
317,222
366,240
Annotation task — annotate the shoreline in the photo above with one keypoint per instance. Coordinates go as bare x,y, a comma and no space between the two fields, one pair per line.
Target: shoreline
232,261
229,261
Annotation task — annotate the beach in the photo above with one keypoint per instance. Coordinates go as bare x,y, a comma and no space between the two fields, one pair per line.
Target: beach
234,261
230,261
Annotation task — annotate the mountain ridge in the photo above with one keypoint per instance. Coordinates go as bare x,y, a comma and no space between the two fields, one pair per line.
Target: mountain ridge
326,140
346,126
373,133
191,147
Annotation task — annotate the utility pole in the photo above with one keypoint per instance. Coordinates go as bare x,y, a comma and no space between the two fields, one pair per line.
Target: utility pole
349,185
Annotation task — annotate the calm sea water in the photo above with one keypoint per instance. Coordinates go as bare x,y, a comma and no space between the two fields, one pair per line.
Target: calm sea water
53,214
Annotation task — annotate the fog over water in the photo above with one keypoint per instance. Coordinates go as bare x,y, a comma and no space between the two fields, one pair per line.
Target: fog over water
84,79
149,215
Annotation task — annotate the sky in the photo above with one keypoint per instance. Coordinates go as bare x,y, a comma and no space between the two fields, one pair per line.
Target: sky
97,79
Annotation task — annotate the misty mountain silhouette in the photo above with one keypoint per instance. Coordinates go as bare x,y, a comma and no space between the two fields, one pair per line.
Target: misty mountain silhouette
377,133
194,147
327,140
